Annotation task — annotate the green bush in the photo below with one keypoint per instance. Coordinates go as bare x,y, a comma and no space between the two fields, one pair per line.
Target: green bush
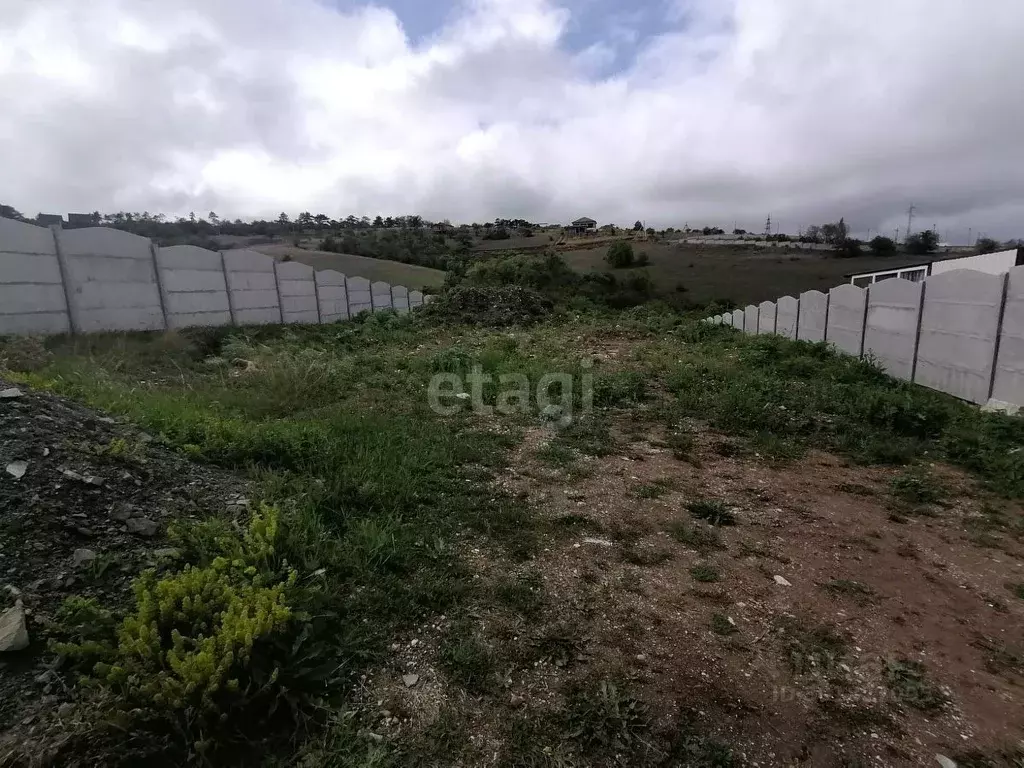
620,255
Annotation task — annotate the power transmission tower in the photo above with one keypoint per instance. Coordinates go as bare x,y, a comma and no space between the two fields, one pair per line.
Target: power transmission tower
768,228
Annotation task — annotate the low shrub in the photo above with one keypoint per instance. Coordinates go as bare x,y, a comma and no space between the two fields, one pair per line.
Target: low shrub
493,306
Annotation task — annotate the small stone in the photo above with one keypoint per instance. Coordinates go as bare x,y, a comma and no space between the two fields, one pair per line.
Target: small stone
781,581
10,394
944,761
414,642
13,632
410,680
82,556
375,737
142,526
574,495
598,542
17,469
463,395
121,512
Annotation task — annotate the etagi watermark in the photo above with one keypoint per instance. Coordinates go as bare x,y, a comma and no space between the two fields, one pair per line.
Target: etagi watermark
554,396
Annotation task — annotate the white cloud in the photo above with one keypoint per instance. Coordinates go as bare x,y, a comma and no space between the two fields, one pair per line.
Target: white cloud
805,109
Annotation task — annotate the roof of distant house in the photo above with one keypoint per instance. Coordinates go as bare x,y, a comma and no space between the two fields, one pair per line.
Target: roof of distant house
583,221
46,219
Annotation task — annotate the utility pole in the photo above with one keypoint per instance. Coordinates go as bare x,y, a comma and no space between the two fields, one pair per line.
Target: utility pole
910,220
969,231
896,237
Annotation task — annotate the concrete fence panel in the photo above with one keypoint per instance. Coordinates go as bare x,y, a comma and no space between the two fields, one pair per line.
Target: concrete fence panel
813,316
332,296
1008,382
787,311
296,285
845,327
32,298
750,319
766,317
380,295
194,290
737,319
415,299
252,287
959,327
400,298
890,333
110,279
359,297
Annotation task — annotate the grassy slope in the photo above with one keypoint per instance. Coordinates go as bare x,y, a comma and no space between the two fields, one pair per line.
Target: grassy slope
332,422
741,275
394,272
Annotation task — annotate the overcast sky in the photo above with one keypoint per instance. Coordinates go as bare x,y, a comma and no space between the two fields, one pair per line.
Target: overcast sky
671,111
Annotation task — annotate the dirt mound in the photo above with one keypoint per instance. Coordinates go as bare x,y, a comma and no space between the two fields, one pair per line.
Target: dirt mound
84,506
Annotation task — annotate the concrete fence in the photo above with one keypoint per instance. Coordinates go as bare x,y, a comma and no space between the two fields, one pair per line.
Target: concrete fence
103,279
960,332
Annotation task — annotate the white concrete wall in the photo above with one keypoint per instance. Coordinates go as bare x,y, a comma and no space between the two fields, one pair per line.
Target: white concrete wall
813,316
400,298
845,328
787,311
750,319
766,317
1008,383
32,296
737,319
332,295
380,293
297,288
110,279
252,287
359,295
890,334
959,325
990,263
194,290
415,299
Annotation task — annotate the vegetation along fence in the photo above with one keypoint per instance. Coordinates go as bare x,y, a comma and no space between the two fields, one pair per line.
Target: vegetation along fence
960,332
102,279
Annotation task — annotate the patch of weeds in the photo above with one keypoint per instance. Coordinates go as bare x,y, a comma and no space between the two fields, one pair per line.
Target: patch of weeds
575,522
760,549
681,443
698,536
561,644
645,555
778,448
627,531
467,660
1016,589
604,718
556,455
705,572
523,593
729,449
985,540
908,550
813,649
655,489
1001,658
849,588
909,682
721,625
591,436
619,388
918,487
695,751
714,511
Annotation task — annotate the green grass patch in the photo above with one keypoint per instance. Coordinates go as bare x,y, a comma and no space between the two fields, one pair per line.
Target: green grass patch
908,680
698,536
705,572
713,511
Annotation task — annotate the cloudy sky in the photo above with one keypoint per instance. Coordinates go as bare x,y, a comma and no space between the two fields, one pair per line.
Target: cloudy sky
672,111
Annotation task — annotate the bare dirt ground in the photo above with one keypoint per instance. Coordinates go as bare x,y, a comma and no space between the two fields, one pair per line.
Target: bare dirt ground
830,625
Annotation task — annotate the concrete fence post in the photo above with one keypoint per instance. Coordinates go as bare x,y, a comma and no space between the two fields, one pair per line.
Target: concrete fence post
159,283
277,287
999,336
55,231
227,287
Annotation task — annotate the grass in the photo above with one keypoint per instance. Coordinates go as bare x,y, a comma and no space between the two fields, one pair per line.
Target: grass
654,489
1016,589
849,588
712,511
721,625
918,487
703,538
705,573
909,682
813,650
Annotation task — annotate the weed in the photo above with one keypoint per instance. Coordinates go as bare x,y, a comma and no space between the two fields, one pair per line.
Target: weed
705,572
703,538
908,681
815,649
655,489
523,593
721,625
590,436
468,661
712,510
681,443
604,718
1016,588
645,555
759,549
556,455
917,487
856,489
849,588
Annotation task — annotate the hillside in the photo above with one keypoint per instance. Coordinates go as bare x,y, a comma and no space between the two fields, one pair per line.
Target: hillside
394,272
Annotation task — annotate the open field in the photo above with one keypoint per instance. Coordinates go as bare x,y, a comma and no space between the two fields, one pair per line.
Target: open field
394,272
748,552
740,275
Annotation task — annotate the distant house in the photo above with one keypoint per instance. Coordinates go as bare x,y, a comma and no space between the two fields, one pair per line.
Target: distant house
582,226
83,220
49,219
